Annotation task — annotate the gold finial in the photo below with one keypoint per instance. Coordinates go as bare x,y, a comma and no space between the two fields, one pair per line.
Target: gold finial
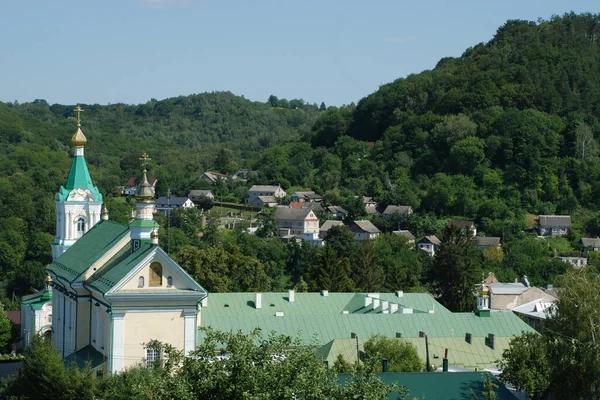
144,159
78,110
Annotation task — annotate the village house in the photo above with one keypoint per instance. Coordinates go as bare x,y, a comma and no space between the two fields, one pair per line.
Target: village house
590,244
483,242
364,230
554,225
391,210
198,194
464,225
370,205
429,244
535,312
336,212
296,222
256,191
577,262
407,234
327,225
507,296
165,204
130,187
265,201
213,177
307,196
242,175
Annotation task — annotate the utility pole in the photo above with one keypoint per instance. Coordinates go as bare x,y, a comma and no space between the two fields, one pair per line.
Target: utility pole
357,351
428,366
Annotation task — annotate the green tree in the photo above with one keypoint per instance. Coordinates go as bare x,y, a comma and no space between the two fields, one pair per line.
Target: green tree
330,272
368,273
401,355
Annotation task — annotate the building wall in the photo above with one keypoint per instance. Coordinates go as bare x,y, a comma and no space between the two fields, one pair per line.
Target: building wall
510,301
145,273
83,322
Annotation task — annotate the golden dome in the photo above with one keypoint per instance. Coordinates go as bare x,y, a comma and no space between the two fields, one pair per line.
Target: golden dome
154,234
48,280
145,191
79,138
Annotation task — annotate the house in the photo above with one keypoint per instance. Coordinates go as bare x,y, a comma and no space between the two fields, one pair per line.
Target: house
554,225
130,187
264,190
315,206
464,225
296,222
483,242
370,205
590,244
429,244
506,296
197,195
327,225
304,196
577,262
114,289
36,314
242,175
535,312
166,203
336,212
391,210
213,177
265,201
364,230
409,236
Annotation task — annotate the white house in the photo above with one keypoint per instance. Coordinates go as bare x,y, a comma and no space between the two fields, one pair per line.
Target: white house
296,221
429,244
364,230
264,190
391,210
166,203
554,225
198,194
464,225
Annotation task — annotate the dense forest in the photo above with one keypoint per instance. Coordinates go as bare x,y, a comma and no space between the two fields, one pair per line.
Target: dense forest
499,135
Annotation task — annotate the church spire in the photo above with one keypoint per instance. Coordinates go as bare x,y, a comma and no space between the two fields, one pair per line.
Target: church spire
142,226
79,140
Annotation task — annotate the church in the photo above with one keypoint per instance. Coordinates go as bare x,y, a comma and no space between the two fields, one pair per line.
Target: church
113,289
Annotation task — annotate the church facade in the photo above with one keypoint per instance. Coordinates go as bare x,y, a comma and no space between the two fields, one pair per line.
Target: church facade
114,290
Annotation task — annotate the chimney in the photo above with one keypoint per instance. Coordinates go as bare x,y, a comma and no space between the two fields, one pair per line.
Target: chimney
468,337
204,302
258,300
526,281
279,313
291,296
393,308
421,334
384,365
325,293
400,293
398,335
368,301
549,287
491,340
353,335
376,303
385,305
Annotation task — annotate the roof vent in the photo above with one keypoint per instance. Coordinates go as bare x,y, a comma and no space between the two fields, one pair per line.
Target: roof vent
345,312
325,293
353,335
376,303
407,310
393,308
279,313
398,335
258,300
421,334
400,293
291,296
385,305
368,301
468,338
373,295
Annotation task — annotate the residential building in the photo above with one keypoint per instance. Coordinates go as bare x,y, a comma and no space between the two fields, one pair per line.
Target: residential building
36,314
165,204
213,177
590,244
327,225
296,222
506,296
464,225
370,205
407,234
304,196
265,201
364,229
315,206
264,190
554,225
483,242
336,212
391,210
197,195
429,244
242,175
535,312
577,262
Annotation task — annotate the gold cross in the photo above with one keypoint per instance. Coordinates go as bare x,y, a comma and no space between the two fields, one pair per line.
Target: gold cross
78,110
144,159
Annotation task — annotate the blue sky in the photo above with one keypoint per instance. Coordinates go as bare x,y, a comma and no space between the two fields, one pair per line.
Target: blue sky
336,51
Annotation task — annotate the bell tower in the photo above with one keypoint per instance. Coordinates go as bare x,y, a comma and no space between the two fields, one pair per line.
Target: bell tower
78,202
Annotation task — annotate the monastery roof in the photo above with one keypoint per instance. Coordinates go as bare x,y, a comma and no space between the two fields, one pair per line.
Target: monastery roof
88,249
79,177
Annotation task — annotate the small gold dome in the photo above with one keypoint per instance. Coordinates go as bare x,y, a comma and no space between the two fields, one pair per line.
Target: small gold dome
48,280
154,234
79,139
145,191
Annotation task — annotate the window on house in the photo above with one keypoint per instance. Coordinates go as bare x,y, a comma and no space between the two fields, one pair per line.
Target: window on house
155,274
169,281
141,282
152,355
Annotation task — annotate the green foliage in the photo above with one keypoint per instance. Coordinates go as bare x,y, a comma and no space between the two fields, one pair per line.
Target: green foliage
401,355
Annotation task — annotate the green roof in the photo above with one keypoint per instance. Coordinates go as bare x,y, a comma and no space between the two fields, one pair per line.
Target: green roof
88,249
79,177
85,355
117,267
37,300
441,386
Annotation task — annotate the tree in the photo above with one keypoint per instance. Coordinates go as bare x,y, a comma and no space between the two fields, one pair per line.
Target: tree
456,270
585,144
330,272
401,355
368,273
323,107
341,239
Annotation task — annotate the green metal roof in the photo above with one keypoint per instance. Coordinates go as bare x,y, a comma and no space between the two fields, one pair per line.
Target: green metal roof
117,267
85,355
37,300
79,177
88,249
441,386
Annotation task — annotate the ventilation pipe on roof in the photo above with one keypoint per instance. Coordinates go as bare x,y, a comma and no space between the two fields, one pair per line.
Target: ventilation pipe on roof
393,308
368,301
385,305
279,313
325,293
400,293
526,281
258,300
407,310
291,296
376,303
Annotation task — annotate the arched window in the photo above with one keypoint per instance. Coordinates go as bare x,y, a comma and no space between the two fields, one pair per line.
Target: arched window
80,226
169,281
141,282
155,274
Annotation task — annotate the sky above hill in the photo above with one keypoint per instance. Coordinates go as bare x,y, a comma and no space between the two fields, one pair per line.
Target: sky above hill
336,51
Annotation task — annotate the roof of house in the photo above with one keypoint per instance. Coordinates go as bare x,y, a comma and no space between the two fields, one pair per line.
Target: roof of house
305,193
426,385
507,288
364,226
88,249
389,210
216,174
14,316
431,239
406,234
79,177
462,224
264,188
368,200
538,308
327,225
294,214
336,209
173,200
199,192
267,199
561,221
313,314
130,182
590,242
487,241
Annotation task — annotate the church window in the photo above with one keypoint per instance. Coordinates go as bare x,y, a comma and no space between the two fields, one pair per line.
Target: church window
141,282
152,355
169,281
80,225
49,318
155,274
